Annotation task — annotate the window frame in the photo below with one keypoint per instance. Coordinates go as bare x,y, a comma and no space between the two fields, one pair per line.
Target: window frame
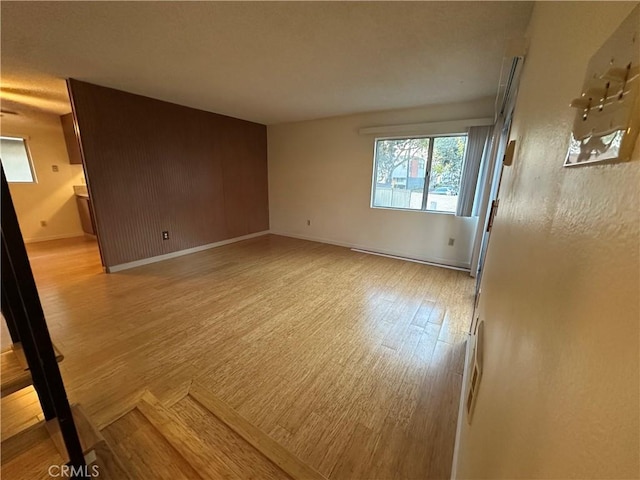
423,208
32,169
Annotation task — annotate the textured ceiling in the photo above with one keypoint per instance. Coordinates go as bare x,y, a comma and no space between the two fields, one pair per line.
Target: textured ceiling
269,62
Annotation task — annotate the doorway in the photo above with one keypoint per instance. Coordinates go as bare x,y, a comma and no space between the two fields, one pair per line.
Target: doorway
493,172
48,188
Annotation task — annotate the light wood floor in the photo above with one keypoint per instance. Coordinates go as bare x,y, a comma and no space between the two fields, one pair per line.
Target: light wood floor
352,361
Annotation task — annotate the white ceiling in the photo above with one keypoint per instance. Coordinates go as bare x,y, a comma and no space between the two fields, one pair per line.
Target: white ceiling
268,62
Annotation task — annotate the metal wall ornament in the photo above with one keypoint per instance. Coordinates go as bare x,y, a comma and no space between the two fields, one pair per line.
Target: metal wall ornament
607,120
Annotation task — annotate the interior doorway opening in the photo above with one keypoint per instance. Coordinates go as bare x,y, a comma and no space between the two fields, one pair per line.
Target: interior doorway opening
40,155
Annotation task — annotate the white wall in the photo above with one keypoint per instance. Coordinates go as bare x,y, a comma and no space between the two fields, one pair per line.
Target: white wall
559,397
52,198
321,170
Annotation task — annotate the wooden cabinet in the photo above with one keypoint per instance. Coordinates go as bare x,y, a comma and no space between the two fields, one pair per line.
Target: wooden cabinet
71,139
86,214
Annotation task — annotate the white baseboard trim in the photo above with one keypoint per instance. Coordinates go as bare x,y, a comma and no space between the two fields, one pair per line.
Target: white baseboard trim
463,392
180,253
407,259
53,237
438,262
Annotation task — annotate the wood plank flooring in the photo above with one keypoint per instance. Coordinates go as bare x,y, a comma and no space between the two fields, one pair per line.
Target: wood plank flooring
353,362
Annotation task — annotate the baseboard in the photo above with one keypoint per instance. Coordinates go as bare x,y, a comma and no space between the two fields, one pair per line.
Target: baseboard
180,253
414,260
53,237
465,381
438,262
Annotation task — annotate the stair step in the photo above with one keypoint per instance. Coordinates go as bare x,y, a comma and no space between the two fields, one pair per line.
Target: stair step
19,351
15,370
19,411
144,451
14,376
198,437
29,454
89,435
223,456
240,456
271,449
109,466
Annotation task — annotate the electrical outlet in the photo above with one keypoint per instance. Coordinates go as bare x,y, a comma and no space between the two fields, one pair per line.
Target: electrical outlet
451,242
165,235
43,223
308,223
54,168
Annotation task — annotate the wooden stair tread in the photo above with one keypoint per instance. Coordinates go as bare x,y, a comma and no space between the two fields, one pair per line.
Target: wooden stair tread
207,461
211,459
13,446
109,465
19,411
240,456
22,359
271,449
92,441
15,370
89,435
28,454
144,451
14,376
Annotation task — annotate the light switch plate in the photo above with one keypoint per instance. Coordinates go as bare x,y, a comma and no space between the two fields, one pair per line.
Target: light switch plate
608,109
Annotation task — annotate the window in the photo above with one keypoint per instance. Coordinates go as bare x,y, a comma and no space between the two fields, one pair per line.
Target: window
15,160
422,173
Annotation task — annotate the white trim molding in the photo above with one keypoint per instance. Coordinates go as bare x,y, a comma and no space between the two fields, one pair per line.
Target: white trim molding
180,253
407,259
461,410
427,128
54,237
437,262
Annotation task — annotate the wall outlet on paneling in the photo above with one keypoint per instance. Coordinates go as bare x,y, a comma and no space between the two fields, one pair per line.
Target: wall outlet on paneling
54,168
165,235
451,242
43,223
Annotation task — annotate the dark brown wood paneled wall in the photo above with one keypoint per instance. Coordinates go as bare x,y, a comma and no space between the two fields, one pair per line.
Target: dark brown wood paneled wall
153,166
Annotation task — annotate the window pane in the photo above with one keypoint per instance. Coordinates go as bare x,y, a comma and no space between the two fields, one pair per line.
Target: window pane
401,165
446,173
15,160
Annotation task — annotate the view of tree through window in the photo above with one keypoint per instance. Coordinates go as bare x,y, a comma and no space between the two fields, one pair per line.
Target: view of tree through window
403,167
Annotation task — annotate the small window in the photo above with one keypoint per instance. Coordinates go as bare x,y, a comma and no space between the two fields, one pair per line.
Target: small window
15,160
422,173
